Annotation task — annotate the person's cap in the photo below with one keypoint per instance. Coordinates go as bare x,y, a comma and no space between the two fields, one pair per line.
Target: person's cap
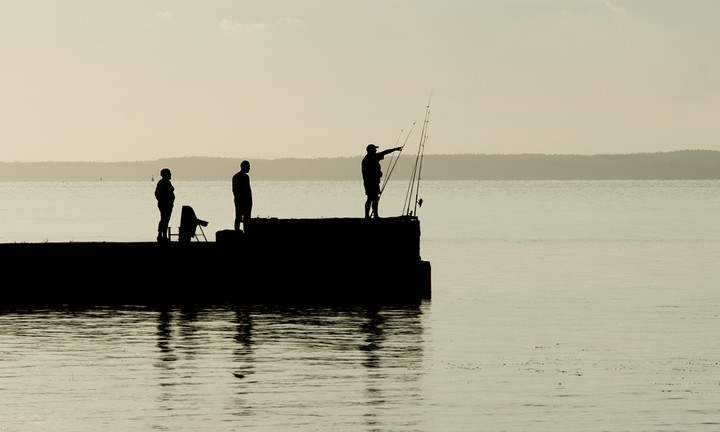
371,146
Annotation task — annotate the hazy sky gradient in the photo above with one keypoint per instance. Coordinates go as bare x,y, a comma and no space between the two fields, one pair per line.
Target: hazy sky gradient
144,79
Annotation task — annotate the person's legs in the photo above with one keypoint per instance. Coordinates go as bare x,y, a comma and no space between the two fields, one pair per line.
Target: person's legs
239,213
242,214
371,203
165,213
246,219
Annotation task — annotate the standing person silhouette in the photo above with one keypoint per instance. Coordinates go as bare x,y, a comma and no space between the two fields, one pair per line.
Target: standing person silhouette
243,196
372,173
165,195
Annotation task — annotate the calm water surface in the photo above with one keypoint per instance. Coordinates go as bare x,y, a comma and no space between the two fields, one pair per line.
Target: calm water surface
557,306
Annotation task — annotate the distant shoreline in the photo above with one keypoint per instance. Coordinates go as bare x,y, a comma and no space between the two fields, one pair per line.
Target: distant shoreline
676,165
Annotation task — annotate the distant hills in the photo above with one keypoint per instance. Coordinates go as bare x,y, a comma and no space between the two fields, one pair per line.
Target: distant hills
686,164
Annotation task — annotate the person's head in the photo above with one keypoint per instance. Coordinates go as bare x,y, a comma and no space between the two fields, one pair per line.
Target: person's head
165,173
371,148
245,166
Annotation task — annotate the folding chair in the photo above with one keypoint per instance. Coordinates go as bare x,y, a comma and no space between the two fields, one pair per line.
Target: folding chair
188,225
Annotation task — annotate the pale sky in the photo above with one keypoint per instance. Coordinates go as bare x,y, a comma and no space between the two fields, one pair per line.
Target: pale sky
128,80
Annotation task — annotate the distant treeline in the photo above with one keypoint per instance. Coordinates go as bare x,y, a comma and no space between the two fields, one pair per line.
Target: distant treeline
687,164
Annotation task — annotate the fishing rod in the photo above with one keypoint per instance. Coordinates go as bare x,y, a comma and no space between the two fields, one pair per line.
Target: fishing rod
395,159
418,201
393,162
414,186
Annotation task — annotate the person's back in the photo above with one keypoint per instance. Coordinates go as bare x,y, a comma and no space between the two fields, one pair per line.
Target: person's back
165,192
241,188
371,171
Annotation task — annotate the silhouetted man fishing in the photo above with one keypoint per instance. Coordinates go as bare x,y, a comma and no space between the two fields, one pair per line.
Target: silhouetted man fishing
165,195
243,195
372,173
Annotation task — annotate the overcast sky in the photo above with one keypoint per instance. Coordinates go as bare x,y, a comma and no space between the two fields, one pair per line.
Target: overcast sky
134,80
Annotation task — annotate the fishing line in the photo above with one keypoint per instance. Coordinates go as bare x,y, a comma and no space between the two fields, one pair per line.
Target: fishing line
395,159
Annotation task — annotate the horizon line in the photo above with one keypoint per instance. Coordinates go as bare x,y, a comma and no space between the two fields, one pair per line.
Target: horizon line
360,155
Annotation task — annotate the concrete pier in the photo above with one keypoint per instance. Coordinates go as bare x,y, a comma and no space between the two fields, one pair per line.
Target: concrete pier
280,261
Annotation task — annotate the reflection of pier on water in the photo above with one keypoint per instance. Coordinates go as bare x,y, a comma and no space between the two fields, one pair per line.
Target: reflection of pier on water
284,360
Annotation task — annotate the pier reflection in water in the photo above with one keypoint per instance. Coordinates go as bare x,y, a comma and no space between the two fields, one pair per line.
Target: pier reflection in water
213,369
292,367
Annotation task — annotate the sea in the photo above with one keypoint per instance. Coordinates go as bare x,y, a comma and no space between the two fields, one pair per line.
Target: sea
556,306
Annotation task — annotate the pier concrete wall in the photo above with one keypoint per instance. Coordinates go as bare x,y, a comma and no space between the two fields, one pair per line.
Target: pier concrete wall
275,261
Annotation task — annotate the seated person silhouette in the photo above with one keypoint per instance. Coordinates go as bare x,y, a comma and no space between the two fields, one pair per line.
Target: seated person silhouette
188,224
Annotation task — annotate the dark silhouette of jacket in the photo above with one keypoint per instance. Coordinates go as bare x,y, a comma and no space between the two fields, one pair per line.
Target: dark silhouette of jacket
241,190
165,193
